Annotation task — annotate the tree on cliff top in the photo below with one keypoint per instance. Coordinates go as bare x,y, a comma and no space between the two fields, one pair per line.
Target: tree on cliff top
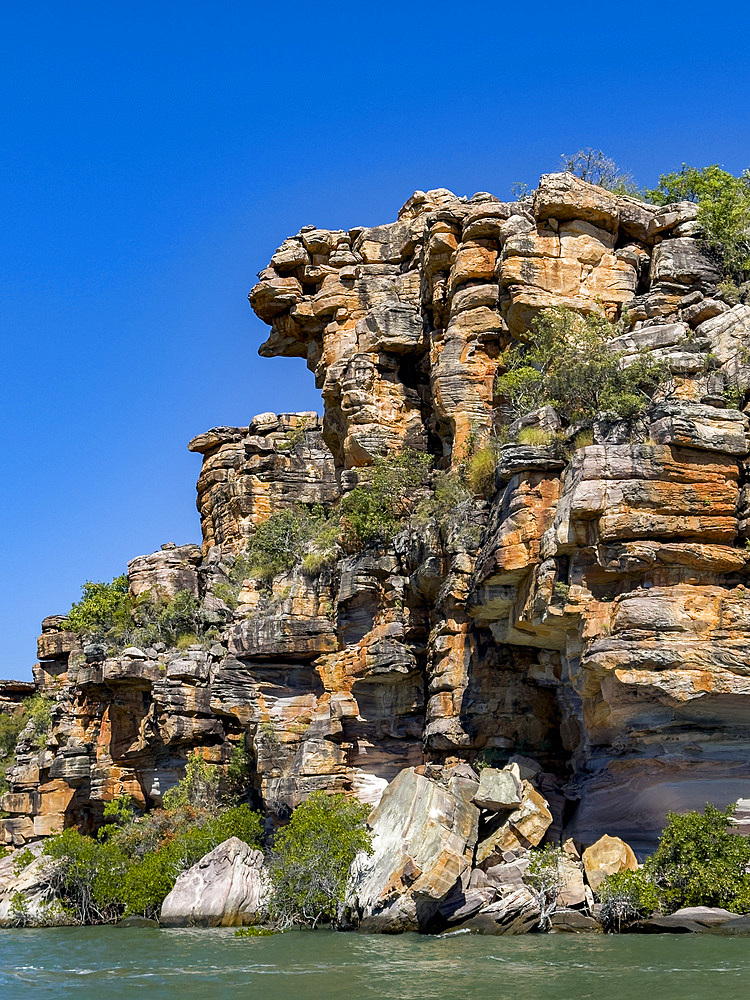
593,166
723,210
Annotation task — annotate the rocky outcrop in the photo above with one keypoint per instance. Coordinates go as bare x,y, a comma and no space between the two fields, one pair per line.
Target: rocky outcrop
226,888
423,834
591,615
26,895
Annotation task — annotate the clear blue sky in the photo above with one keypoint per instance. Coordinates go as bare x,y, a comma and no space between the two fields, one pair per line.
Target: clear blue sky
155,154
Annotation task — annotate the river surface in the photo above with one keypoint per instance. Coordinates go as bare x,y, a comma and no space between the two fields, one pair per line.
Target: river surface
107,963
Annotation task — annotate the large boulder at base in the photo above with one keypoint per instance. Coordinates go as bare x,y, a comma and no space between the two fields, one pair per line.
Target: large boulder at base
707,916
226,888
606,857
499,789
525,827
26,898
739,927
423,835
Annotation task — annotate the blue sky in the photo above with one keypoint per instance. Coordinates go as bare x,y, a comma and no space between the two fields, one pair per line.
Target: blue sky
153,157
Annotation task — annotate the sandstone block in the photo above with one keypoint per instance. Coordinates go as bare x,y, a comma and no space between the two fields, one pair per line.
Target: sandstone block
423,838
499,789
607,856
226,888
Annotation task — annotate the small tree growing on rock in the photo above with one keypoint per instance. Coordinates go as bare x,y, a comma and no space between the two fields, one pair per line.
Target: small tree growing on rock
626,896
546,876
594,166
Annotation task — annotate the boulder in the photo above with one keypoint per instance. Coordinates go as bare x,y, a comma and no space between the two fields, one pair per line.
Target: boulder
574,922
606,857
514,911
423,837
707,916
226,888
523,828
573,892
499,789
26,896
670,924
738,927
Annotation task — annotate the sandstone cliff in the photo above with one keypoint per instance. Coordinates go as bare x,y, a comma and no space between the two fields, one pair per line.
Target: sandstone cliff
594,618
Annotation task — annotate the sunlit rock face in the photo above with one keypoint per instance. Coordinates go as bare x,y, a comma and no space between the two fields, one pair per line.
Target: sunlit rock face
592,615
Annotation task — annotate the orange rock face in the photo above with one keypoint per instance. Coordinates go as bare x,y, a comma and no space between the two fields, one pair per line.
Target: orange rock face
593,615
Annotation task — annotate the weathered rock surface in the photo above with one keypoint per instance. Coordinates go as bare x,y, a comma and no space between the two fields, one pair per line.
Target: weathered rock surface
593,615
499,789
607,856
26,898
574,922
423,836
226,888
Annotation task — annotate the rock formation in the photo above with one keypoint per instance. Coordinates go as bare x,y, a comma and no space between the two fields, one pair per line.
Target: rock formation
226,888
594,615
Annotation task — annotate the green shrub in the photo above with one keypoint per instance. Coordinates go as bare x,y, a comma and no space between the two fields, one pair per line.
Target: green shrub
177,621
20,913
88,875
449,495
480,471
535,437
104,609
255,932
546,876
239,773
277,543
723,210
375,512
152,876
312,856
22,860
286,539
135,865
583,439
699,862
570,365
107,613
625,896
39,713
199,788
11,725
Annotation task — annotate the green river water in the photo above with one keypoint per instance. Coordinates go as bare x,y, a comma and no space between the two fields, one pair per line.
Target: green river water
107,963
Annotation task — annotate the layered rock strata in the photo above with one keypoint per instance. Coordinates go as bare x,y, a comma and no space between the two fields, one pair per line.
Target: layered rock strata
592,615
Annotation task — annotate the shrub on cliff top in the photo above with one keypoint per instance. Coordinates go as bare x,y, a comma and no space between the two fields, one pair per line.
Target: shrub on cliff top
108,613
594,166
723,210
312,856
104,608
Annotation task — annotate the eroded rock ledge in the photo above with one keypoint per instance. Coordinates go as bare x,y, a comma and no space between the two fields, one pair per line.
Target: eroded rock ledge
598,618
